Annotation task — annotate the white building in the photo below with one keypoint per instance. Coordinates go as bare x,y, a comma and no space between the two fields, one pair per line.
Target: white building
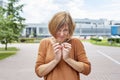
84,27
35,30
91,27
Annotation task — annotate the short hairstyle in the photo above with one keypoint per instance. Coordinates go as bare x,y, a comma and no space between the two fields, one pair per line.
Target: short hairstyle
60,19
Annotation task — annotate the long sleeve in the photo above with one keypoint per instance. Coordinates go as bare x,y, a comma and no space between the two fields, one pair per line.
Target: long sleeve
82,57
41,56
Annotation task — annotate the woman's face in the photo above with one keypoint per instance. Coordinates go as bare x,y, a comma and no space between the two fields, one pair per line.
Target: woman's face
62,34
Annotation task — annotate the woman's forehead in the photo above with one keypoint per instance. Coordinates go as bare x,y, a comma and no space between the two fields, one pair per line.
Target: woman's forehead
64,26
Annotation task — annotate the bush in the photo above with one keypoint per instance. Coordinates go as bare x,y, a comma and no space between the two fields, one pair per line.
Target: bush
113,40
27,40
22,40
117,40
110,39
96,39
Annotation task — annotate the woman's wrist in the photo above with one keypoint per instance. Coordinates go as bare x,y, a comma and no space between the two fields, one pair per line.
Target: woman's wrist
67,59
56,61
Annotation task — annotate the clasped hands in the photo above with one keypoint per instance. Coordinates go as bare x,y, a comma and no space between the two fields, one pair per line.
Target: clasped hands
61,50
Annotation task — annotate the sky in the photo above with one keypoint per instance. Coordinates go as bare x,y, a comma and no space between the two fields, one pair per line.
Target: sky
41,11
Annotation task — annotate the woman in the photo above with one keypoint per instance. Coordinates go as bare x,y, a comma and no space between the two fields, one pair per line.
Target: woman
61,57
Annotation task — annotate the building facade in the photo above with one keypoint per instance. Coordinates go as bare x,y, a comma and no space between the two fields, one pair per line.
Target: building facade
91,27
115,28
84,27
35,30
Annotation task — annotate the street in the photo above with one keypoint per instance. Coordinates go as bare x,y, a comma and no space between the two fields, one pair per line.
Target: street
105,63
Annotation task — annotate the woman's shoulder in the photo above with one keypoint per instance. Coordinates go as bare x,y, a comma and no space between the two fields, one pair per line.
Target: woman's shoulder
75,39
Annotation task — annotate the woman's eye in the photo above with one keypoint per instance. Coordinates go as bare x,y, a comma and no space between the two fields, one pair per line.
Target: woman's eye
65,30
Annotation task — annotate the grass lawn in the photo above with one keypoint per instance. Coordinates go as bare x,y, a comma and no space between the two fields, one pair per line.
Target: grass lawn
6,53
104,43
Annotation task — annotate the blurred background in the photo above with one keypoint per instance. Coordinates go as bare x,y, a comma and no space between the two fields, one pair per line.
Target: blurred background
23,23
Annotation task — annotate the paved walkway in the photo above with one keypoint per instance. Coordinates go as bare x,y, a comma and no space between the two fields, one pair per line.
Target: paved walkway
21,65
105,63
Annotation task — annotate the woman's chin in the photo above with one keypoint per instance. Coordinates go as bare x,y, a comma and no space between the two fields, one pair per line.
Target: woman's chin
60,41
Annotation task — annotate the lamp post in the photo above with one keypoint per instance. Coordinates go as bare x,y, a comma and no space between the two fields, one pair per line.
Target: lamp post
79,30
104,29
95,28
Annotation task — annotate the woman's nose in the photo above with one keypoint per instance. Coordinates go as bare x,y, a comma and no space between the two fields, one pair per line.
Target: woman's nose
61,33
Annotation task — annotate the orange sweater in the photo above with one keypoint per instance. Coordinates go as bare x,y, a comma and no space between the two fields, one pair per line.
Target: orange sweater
62,71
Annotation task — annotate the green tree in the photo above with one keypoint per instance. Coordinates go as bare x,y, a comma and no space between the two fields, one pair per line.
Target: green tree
6,34
12,23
